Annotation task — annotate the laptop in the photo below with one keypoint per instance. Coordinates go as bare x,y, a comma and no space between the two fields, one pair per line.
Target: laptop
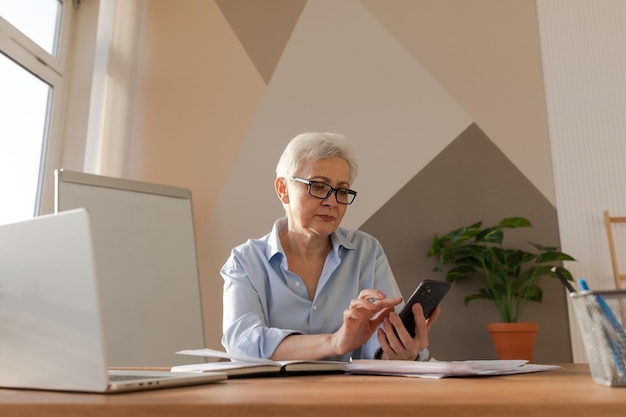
51,331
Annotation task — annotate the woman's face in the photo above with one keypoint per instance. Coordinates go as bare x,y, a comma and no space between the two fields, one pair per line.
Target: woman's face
310,215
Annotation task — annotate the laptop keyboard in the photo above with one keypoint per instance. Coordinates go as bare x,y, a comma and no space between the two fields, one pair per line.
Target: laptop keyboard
129,377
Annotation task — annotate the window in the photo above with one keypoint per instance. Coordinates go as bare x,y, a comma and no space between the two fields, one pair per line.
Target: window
32,35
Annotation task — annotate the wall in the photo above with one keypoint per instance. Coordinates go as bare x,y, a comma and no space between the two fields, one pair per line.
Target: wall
471,180
584,68
444,101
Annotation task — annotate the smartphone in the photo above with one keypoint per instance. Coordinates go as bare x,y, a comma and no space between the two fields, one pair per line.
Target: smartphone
429,294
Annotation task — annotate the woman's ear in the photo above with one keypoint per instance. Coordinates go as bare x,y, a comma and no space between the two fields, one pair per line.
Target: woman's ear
281,190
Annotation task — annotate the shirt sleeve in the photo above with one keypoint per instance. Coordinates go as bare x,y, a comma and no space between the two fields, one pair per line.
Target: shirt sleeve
245,326
385,282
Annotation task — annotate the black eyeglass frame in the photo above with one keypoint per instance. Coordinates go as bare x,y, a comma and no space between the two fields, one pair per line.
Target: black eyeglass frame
331,190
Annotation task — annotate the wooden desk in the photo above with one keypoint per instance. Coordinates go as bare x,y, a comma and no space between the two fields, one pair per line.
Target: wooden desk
566,392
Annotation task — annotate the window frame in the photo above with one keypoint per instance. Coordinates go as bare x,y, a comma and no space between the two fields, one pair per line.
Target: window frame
83,134
53,71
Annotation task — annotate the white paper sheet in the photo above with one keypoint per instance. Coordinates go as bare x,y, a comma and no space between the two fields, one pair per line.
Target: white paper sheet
440,369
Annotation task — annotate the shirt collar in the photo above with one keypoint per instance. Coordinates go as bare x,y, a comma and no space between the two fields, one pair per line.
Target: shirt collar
273,242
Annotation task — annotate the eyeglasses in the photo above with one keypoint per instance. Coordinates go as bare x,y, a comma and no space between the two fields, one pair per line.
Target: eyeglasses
322,191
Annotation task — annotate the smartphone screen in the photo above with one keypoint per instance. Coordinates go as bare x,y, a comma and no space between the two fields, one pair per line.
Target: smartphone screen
429,294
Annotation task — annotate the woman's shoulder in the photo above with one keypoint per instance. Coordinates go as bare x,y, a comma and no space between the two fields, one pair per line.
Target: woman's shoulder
247,254
354,233
357,237
267,245
252,244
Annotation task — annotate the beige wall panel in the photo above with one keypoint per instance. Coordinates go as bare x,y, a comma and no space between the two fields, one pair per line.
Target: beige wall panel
485,54
341,71
198,94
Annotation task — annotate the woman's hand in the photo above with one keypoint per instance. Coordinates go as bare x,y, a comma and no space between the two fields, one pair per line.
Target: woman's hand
364,315
395,340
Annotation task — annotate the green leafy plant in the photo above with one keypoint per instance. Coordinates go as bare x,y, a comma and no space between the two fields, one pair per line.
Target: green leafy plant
508,277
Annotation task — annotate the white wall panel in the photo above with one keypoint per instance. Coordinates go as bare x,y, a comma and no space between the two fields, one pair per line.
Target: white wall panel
584,63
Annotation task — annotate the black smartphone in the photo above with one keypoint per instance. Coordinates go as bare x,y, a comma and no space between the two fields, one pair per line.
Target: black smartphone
429,294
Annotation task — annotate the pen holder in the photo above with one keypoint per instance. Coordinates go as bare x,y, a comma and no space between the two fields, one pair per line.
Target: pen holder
601,316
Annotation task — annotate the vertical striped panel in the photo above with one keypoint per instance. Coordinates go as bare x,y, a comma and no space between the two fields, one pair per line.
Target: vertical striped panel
584,66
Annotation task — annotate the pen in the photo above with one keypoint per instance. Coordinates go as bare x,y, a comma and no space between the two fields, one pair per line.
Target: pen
564,280
606,310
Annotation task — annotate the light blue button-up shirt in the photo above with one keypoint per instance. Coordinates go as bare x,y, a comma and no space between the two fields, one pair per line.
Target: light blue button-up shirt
264,302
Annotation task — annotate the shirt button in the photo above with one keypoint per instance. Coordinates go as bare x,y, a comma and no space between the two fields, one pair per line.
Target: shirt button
314,308
297,284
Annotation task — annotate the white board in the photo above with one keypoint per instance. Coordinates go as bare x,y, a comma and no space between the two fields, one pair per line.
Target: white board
146,262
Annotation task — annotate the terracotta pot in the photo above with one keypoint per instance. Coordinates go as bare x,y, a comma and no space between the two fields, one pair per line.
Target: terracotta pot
513,340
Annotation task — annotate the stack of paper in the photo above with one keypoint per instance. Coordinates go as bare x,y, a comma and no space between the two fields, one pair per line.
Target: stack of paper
441,369
248,366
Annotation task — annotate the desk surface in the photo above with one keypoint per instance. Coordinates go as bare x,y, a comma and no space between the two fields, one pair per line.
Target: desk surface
566,392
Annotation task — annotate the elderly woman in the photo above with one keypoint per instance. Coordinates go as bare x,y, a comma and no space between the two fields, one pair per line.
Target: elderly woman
311,289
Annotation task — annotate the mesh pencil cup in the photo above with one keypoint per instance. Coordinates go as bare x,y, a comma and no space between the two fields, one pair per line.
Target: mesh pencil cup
601,316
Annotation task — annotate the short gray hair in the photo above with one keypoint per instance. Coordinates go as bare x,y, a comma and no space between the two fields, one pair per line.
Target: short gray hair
313,146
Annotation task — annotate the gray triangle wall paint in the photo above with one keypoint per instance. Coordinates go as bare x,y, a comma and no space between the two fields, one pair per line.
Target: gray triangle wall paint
471,180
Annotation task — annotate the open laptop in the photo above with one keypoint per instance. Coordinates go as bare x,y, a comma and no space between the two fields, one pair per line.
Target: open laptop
51,335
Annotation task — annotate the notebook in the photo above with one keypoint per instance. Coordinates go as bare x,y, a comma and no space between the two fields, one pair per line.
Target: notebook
51,332
243,366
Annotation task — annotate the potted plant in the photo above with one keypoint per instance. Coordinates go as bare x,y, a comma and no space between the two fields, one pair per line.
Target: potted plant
507,277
